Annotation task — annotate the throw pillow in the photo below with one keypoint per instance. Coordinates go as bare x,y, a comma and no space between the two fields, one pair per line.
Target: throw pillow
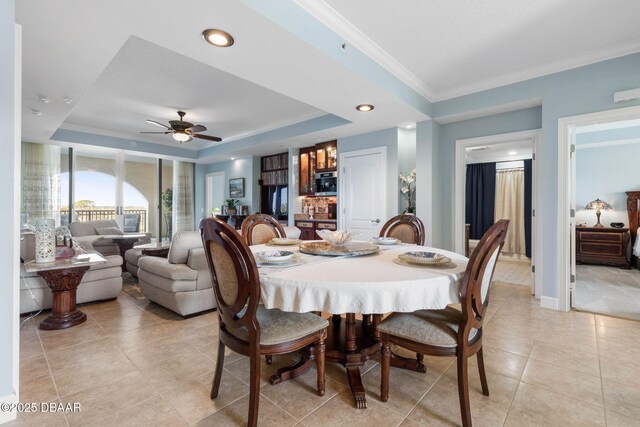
103,231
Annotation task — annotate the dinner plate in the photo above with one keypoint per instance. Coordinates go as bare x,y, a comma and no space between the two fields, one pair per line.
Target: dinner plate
284,241
426,258
385,240
274,256
283,263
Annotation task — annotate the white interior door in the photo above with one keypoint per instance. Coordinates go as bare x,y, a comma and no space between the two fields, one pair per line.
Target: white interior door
363,191
215,192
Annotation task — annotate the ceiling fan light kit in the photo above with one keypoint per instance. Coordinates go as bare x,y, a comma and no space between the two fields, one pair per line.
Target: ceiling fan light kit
182,131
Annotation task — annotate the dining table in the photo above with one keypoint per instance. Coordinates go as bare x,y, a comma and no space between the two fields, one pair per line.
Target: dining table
344,286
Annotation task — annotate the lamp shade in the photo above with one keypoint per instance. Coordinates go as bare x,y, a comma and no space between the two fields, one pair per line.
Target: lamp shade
598,204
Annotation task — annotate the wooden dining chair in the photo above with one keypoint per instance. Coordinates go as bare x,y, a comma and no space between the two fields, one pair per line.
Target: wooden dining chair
450,332
260,228
406,228
245,326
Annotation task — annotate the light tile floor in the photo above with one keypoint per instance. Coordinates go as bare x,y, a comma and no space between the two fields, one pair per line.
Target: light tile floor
608,290
135,363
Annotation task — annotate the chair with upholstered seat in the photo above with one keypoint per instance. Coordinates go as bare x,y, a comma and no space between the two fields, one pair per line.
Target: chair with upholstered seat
406,228
450,332
245,326
260,228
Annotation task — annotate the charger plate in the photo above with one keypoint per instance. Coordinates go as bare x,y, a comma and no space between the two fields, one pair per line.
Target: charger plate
349,248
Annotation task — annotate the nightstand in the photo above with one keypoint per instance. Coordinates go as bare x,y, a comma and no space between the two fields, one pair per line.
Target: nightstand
602,245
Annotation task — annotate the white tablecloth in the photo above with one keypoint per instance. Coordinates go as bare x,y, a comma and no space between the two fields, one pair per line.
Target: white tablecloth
365,284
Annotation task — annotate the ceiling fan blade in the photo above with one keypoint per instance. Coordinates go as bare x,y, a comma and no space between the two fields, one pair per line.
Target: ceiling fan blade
164,133
207,137
197,128
153,122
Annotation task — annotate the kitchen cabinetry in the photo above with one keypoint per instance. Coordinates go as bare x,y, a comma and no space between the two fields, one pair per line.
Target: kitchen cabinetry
274,188
307,171
308,228
326,159
602,245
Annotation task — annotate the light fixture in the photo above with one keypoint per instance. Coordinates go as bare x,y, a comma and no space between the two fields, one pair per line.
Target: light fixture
233,158
598,205
364,107
67,100
44,99
181,137
217,37
36,112
512,153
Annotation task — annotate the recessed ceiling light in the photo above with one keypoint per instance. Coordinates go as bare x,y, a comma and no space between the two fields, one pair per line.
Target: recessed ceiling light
44,99
409,126
36,112
512,153
217,37
67,100
233,158
364,108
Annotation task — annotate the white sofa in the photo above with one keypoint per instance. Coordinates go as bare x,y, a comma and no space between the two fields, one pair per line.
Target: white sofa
101,282
91,232
181,282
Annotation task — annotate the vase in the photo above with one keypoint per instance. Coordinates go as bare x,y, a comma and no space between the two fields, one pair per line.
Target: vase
45,240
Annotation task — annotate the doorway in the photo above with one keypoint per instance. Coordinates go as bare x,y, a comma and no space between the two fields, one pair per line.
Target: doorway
604,181
363,194
511,158
215,192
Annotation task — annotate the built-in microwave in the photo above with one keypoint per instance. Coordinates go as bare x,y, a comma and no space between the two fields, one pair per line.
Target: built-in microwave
326,184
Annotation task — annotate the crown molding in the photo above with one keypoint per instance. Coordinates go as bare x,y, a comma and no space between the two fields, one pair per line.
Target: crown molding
540,71
607,143
341,26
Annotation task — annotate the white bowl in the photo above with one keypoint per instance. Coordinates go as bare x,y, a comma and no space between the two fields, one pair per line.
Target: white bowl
274,256
385,240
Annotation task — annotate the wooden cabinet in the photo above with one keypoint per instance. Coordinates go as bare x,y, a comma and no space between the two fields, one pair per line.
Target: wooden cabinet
319,158
326,159
274,188
307,163
602,245
308,228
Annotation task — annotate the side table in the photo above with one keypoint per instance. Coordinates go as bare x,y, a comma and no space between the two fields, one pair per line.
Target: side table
124,242
155,249
63,277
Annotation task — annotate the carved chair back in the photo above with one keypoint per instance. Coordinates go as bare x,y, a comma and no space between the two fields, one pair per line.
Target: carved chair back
260,228
476,283
406,228
234,275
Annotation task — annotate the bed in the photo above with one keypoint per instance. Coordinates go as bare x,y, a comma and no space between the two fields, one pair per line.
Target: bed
633,210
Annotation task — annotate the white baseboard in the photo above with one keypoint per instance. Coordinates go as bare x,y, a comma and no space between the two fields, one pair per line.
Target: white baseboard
8,416
548,302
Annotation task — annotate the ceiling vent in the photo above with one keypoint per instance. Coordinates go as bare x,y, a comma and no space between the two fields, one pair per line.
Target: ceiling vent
473,149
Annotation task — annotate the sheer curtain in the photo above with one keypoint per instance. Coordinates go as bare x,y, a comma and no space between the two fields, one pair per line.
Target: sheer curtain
183,217
510,205
40,182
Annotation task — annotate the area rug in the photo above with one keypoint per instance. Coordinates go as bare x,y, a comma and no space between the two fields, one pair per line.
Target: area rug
608,290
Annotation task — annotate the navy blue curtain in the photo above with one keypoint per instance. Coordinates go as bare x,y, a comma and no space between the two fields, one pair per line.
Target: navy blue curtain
480,198
527,205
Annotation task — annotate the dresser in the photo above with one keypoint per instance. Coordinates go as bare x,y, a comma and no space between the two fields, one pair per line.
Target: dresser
602,245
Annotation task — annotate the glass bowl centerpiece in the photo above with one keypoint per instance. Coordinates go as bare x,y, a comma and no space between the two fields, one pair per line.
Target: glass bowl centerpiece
338,237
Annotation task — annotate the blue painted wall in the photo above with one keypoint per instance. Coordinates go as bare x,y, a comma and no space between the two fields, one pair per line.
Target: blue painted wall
9,175
444,152
606,173
244,167
579,91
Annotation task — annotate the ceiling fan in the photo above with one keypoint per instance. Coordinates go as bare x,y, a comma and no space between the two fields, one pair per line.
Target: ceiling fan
183,131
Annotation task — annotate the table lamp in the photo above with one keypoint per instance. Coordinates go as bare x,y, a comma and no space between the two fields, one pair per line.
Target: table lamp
598,205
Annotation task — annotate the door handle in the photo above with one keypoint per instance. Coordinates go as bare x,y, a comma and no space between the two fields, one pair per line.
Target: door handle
376,221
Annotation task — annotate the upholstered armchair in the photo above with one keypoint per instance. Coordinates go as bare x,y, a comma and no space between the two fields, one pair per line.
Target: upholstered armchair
181,282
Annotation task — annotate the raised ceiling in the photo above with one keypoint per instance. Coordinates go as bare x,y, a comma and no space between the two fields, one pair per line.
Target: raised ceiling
146,81
455,47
